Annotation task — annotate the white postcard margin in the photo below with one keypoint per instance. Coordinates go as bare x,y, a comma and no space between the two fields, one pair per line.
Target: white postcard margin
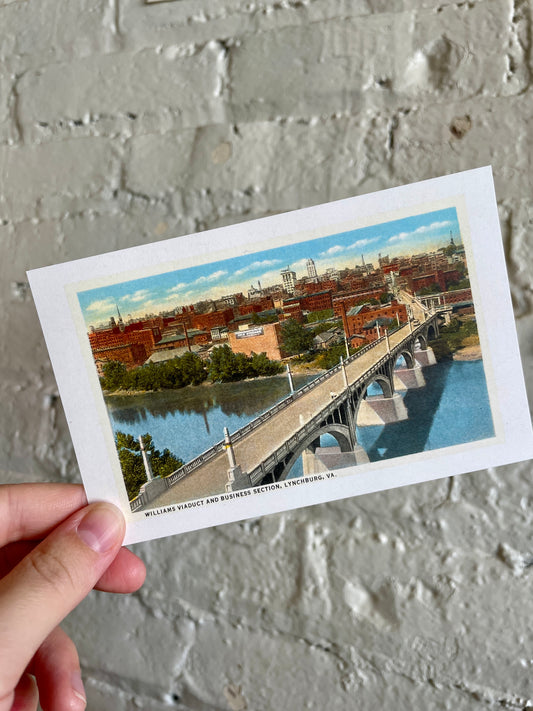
506,386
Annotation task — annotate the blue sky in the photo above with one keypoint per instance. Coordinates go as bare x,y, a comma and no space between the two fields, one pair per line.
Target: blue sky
410,235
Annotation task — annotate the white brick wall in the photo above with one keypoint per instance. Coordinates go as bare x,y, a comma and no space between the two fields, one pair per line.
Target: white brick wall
121,122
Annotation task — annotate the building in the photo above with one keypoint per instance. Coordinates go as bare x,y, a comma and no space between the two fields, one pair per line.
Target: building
117,342
131,354
356,318
289,280
211,319
311,270
258,339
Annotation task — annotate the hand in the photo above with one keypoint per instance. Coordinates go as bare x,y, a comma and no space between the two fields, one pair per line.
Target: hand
53,550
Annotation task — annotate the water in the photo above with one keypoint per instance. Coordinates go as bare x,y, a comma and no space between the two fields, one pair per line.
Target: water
452,408
191,420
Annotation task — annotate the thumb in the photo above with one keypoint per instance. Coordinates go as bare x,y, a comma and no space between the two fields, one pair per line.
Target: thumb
50,581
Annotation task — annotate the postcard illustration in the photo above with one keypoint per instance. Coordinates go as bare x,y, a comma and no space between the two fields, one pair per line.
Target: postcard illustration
311,365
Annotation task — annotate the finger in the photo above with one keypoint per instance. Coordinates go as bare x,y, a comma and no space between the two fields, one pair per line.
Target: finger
125,574
49,582
25,697
56,666
29,511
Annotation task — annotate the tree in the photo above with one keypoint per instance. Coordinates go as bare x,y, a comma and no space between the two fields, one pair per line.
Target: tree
114,374
132,465
295,338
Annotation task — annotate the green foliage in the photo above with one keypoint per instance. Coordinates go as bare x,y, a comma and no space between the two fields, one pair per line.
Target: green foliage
462,284
131,462
315,316
323,327
431,289
450,249
114,373
189,369
332,356
295,338
225,366
385,298
452,336
268,318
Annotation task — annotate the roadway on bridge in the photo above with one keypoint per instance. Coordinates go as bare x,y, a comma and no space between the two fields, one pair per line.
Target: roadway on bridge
210,478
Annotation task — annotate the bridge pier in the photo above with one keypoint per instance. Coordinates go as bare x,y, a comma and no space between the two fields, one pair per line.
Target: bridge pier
381,411
325,459
409,378
425,357
237,479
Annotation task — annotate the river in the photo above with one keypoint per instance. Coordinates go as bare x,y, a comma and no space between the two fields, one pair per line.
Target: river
452,408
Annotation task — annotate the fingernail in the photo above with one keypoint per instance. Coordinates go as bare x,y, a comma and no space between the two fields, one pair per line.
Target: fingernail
101,528
78,689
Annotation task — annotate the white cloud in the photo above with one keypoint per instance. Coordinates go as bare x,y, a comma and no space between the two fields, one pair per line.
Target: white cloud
433,226
336,249
211,277
362,243
176,289
101,305
140,295
400,237
254,266
423,229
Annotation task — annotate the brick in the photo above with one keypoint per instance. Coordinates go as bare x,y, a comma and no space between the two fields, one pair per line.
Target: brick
34,175
426,143
111,93
36,32
186,22
339,156
8,129
143,667
339,65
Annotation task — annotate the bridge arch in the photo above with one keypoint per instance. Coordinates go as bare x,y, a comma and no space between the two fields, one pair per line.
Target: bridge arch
340,432
407,356
432,332
383,381
422,341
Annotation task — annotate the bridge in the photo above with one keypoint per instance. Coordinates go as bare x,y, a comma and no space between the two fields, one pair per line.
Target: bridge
265,449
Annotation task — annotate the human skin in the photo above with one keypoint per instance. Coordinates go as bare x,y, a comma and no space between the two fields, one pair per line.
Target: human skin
54,549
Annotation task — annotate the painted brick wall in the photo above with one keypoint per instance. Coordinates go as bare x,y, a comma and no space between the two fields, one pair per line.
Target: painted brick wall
122,122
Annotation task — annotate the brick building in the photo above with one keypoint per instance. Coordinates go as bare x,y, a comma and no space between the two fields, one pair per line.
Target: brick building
119,338
319,301
131,354
354,298
355,319
205,322
258,339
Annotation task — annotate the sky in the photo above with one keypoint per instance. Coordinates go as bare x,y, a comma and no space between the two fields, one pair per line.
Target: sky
164,292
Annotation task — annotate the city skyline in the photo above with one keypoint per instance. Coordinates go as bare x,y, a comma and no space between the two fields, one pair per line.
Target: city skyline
167,291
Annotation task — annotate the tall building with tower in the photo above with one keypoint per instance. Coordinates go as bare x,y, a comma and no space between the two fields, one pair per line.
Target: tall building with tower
311,269
289,280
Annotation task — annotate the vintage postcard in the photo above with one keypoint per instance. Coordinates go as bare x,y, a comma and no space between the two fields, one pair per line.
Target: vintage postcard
328,352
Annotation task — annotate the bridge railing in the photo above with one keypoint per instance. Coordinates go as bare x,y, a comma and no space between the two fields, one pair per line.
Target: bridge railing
258,473
258,421
212,452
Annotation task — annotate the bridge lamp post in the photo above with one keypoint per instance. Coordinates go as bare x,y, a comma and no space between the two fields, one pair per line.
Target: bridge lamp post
387,339
344,375
229,448
289,376
146,461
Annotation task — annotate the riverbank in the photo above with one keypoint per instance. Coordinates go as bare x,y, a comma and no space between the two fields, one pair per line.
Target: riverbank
208,384
468,353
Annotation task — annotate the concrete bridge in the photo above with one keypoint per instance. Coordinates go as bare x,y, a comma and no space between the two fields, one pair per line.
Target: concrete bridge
266,449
